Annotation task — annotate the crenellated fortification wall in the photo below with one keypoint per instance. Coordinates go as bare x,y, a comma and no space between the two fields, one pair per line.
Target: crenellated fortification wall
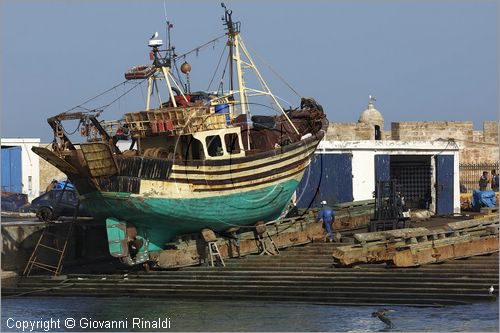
477,146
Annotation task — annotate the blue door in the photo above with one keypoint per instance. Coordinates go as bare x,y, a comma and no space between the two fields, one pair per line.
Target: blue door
328,177
11,169
382,168
444,184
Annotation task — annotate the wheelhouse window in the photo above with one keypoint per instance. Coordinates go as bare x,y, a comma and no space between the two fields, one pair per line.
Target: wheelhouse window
214,146
195,149
232,143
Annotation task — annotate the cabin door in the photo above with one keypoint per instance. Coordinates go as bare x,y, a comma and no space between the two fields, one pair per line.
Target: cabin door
444,184
11,169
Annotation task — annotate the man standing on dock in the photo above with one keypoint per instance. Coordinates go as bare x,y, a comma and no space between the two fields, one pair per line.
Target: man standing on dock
494,180
483,181
327,216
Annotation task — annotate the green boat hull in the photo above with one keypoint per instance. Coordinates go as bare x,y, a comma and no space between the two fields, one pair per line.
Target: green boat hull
161,219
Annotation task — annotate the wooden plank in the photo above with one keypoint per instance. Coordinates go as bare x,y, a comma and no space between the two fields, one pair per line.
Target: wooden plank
399,233
464,224
458,247
488,210
99,158
384,246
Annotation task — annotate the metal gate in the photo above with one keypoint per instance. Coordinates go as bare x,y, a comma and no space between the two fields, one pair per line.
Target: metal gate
11,170
444,184
471,172
328,177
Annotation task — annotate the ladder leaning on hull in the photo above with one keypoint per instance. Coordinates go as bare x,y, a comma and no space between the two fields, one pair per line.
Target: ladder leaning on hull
60,251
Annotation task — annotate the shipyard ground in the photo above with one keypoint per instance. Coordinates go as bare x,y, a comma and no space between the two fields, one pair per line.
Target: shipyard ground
299,274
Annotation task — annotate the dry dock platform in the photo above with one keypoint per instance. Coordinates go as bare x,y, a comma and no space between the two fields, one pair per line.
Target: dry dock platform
298,274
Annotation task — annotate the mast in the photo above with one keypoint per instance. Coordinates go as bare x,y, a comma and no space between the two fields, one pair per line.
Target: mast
228,22
230,43
239,73
233,29
237,50
231,84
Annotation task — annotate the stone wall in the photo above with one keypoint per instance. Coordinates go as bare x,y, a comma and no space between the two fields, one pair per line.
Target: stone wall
478,152
478,136
48,172
386,135
87,243
348,132
490,132
476,146
432,130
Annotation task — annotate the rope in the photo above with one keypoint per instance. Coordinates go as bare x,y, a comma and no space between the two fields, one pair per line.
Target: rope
76,129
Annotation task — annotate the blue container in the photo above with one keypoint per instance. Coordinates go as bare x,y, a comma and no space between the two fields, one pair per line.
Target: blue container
223,108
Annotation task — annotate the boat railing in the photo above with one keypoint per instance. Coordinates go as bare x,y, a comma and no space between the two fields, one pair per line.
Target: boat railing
174,121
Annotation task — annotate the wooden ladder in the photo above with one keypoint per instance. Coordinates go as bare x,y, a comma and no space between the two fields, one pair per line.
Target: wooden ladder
213,253
264,248
56,247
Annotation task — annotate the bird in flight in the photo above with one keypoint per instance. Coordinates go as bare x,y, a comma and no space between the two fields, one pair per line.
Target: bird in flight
381,314
154,35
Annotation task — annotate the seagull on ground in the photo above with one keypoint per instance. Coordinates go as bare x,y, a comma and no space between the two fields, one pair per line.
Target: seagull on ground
491,290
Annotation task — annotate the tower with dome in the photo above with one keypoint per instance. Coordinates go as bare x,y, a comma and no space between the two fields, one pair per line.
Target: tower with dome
373,119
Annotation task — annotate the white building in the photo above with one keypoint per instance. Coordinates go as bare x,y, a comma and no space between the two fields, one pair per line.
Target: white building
427,172
20,166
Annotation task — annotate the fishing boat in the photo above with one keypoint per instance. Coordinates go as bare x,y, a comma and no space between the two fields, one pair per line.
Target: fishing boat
196,160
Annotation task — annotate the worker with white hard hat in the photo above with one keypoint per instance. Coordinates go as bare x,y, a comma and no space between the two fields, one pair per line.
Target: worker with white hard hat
327,216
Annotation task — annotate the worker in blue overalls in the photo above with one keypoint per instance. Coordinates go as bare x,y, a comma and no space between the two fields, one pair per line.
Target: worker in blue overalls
327,216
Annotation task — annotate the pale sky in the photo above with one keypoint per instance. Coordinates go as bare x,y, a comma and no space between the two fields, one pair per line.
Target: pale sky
423,60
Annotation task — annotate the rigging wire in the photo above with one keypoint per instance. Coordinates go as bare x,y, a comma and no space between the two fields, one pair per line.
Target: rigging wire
221,84
142,93
126,92
280,77
91,99
179,76
217,68
119,101
197,49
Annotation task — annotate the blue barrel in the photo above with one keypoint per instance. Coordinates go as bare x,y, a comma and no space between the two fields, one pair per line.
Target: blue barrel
223,108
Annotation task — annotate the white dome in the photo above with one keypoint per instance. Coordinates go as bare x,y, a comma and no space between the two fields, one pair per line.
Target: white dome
371,115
